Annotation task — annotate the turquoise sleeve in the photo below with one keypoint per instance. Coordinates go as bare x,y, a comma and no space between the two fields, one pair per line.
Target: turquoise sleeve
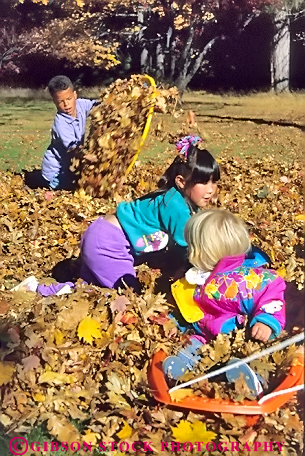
175,213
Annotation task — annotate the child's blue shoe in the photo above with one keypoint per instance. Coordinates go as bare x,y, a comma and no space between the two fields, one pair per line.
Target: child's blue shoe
251,379
175,366
188,354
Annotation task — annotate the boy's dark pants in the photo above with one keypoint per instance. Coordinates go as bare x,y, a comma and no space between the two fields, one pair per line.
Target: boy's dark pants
34,179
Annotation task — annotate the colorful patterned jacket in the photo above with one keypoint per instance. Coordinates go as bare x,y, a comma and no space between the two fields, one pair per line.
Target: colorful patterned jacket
234,290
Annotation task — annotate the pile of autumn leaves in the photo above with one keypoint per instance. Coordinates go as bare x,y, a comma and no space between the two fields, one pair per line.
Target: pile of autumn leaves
85,356
268,195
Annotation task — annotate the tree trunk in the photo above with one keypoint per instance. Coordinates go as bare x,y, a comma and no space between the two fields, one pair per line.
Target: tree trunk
172,60
160,62
280,53
183,62
184,78
144,60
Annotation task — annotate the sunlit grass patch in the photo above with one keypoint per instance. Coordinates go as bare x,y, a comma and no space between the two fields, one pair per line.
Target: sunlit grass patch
259,123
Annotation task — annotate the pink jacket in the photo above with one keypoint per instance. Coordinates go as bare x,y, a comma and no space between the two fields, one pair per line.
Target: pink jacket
233,291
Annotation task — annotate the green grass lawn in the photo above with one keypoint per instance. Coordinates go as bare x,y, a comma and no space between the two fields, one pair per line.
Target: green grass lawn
25,132
256,124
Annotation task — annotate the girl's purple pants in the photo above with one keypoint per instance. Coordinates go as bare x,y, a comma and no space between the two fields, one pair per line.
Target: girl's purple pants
106,259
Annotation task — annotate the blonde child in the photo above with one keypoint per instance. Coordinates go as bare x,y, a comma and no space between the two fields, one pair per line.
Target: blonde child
228,290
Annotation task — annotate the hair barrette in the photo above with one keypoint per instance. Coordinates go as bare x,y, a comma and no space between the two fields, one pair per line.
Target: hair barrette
184,143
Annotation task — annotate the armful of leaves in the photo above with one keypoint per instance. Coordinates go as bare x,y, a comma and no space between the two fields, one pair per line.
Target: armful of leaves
76,156
115,134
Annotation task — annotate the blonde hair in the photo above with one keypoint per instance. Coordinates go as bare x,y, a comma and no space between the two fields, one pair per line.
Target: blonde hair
213,234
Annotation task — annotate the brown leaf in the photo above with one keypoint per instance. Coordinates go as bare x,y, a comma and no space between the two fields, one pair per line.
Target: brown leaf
14,334
128,319
248,437
69,318
30,363
161,319
62,430
119,304
4,306
294,423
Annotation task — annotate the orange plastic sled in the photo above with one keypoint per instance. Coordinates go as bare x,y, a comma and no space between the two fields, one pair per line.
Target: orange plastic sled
159,390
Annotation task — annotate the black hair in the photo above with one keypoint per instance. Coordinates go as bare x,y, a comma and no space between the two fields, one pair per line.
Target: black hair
59,83
198,168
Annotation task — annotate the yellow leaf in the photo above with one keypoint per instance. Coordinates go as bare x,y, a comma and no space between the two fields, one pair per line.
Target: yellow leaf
192,432
56,378
89,329
5,420
281,271
272,255
300,217
118,400
91,437
81,194
180,394
38,397
6,372
58,337
125,432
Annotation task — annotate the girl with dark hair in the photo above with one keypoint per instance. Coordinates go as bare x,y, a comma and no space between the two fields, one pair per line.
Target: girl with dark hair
111,243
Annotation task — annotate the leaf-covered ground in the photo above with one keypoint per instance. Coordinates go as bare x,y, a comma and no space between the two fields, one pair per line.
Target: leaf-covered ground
77,364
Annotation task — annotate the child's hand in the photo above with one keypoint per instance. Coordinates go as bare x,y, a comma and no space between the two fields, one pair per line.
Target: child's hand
261,332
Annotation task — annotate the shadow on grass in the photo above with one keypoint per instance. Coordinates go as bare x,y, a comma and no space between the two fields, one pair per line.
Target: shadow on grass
278,123
214,105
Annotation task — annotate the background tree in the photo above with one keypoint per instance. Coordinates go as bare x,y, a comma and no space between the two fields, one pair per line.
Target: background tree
172,40
282,14
175,37
12,47
75,33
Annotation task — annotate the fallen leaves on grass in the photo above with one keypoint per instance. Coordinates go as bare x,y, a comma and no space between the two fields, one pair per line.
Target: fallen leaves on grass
6,372
103,384
268,195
